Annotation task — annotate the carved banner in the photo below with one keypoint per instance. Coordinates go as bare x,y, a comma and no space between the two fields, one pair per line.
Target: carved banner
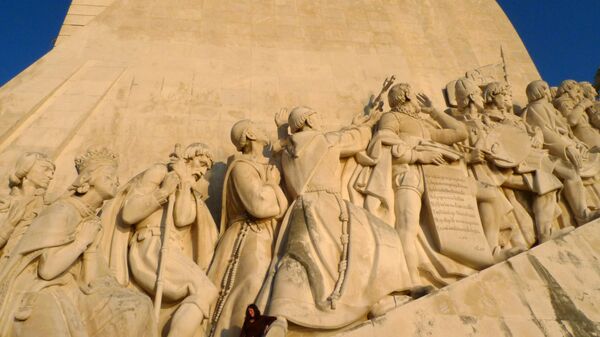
454,217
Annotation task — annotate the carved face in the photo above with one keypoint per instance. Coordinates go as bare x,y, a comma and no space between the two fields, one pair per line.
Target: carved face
105,181
503,100
198,166
40,174
575,93
259,134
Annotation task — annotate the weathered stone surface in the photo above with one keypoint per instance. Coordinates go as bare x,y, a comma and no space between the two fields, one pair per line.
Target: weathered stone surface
143,75
550,290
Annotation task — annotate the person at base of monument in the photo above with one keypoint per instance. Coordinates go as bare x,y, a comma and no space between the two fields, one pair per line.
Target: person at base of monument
534,173
335,261
55,282
140,208
572,103
255,324
253,203
415,123
28,184
491,202
567,152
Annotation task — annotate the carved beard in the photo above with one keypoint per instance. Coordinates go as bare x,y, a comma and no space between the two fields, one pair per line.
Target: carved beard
408,108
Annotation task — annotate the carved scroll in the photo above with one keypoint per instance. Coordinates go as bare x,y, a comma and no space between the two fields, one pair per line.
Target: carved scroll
453,215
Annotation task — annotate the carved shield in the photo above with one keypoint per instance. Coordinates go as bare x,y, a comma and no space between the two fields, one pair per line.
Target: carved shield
508,145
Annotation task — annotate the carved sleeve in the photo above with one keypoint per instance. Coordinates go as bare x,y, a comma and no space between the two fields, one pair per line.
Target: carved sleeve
453,131
553,141
145,198
258,197
388,122
350,140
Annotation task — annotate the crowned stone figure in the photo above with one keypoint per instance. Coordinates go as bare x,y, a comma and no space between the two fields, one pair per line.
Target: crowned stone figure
56,283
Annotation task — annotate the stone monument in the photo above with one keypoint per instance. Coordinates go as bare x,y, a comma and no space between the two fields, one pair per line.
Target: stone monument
369,213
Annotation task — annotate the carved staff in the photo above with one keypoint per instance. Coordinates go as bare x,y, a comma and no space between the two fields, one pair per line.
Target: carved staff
378,102
166,222
163,255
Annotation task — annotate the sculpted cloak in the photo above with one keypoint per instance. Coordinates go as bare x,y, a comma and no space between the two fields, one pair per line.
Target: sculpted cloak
71,304
335,260
16,214
136,248
250,211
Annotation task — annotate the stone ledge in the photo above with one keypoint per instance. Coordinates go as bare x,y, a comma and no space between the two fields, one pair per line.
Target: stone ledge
551,290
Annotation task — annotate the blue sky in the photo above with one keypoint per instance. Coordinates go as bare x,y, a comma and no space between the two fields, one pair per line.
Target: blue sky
563,37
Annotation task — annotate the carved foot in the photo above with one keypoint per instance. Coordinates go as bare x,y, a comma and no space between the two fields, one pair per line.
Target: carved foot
504,254
386,304
278,328
420,291
589,215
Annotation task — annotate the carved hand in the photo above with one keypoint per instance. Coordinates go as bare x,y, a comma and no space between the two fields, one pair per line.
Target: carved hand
475,157
169,184
573,155
424,102
273,175
431,157
201,186
359,119
281,117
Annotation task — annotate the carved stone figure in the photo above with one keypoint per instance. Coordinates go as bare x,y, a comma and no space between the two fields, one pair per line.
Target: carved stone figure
56,283
530,166
590,93
182,234
336,262
492,203
572,103
429,133
28,183
568,153
252,205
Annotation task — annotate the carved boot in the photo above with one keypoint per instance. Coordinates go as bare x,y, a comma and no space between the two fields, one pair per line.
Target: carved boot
278,328
588,215
386,304
501,254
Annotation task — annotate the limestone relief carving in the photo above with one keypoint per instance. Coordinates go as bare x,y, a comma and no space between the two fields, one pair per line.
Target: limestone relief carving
28,183
253,205
574,102
573,161
160,238
318,229
56,281
517,147
335,262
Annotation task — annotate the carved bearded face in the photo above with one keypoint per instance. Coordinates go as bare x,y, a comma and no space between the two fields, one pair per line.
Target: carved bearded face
105,181
198,166
40,174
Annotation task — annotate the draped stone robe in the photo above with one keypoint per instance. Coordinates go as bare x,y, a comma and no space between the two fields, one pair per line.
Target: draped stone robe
69,304
251,208
336,259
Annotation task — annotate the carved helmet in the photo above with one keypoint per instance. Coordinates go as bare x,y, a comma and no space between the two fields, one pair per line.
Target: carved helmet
298,117
464,88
